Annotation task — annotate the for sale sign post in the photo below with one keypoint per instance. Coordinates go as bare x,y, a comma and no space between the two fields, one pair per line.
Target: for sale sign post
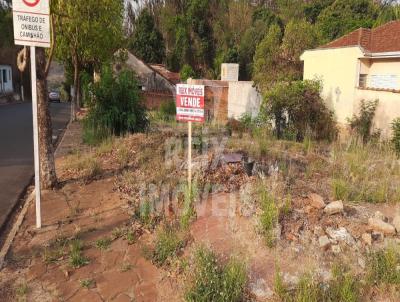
31,22
190,103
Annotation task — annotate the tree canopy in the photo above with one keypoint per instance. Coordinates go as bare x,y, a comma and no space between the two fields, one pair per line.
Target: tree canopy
146,42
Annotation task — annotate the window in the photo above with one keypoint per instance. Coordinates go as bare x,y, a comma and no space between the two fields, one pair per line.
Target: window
5,76
363,81
385,81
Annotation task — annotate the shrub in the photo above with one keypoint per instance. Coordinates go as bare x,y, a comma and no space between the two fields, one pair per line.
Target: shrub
116,106
187,72
167,111
297,110
396,135
362,124
213,282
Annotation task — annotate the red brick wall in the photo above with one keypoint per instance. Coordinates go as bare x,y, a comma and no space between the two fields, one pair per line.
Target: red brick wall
153,100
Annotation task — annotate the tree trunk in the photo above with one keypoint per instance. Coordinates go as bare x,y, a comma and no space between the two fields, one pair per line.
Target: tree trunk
76,98
46,151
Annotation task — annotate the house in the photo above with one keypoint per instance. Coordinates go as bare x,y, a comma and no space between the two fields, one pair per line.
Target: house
158,84
362,65
6,80
11,79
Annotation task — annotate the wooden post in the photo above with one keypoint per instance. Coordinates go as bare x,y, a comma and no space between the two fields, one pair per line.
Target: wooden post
190,156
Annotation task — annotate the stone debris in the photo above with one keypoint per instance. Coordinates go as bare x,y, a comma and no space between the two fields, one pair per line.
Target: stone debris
341,234
324,242
381,226
316,201
377,236
396,223
334,207
380,216
260,290
367,238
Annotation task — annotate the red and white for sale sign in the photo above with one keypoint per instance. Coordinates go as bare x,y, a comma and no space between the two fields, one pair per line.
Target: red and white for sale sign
190,103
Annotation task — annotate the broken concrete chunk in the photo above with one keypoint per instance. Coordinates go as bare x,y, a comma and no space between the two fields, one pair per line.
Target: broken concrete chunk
380,216
260,289
341,234
367,238
316,201
396,223
324,242
381,226
334,207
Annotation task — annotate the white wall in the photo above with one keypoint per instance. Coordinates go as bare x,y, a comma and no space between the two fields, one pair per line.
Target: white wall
388,108
338,69
243,98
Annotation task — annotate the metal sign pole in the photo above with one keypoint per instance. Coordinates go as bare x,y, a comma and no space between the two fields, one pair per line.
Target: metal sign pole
35,137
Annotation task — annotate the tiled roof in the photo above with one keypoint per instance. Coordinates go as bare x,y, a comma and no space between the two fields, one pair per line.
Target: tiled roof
385,38
173,77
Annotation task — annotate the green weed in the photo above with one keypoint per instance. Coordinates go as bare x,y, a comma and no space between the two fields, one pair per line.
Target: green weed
22,290
76,258
87,283
103,243
384,266
169,242
213,282
269,215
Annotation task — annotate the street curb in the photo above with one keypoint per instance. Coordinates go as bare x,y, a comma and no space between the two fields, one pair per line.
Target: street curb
21,216
15,229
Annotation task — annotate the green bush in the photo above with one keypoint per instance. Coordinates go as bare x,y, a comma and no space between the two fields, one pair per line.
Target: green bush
214,282
298,110
187,72
362,124
116,107
396,135
167,111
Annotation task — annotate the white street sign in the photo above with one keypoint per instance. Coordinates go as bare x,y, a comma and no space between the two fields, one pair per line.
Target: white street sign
31,22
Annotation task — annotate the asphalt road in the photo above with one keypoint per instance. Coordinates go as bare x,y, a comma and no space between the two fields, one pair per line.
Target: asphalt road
16,149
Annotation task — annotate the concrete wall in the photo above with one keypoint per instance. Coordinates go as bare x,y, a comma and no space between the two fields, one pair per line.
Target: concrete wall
388,108
338,70
243,98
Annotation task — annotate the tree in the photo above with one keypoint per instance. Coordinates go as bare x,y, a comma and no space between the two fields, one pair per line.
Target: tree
299,36
388,12
262,19
88,33
146,41
6,25
267,59
344,16
314,8
48,175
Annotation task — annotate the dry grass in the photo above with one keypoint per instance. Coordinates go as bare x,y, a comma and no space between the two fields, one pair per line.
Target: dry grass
369,173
